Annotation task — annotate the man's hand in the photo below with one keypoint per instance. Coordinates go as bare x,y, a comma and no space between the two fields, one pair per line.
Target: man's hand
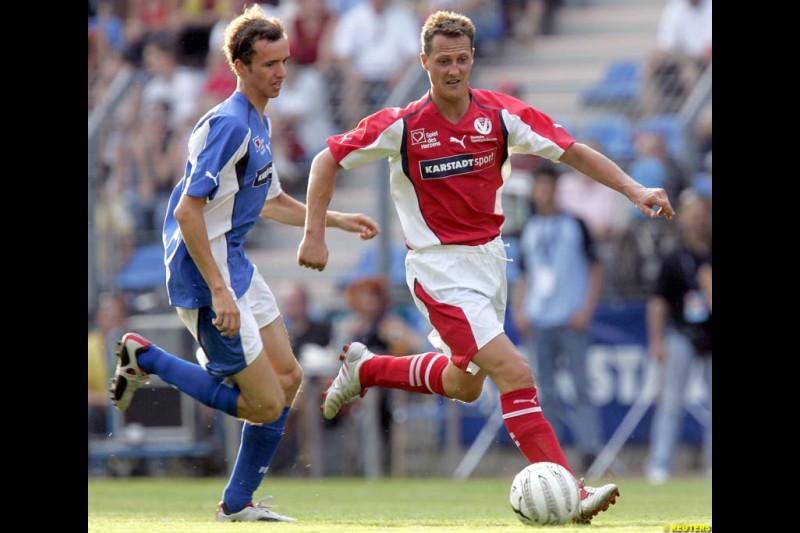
654,203
658,350
581,320
365,226
312,254
227,320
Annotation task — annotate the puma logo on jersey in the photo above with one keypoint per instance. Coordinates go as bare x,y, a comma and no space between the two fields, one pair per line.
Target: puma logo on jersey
459,141
214,178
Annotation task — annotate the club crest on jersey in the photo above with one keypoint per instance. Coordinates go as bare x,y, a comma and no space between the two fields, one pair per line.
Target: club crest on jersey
261,146
263,175
445,167
483,125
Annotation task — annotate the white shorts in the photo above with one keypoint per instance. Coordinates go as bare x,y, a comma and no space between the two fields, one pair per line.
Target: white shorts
462,291
223,356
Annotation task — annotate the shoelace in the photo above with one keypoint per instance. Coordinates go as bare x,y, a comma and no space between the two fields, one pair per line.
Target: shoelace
584,489
262,503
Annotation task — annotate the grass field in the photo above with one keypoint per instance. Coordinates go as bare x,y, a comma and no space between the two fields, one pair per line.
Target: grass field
333,505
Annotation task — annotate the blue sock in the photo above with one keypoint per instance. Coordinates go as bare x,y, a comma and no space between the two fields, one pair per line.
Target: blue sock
190,378
255,455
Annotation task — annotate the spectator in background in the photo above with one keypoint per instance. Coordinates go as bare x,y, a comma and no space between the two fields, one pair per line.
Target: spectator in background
340,7
197,19
683,51
311,34
554,300
488,16
679,332
111,315
372,322
157,170
105,33
654,166
364,40
220,81
603,211
703,133
703,180
303,327
301,120
528,18
305,332
180,87
144,20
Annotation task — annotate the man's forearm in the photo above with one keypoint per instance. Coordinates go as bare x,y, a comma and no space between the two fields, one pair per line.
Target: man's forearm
195,235
321,183
600,168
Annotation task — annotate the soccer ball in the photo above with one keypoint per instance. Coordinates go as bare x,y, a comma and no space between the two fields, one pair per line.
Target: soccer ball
545,493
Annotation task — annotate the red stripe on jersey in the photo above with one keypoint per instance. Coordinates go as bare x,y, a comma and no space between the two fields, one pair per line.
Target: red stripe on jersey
452,325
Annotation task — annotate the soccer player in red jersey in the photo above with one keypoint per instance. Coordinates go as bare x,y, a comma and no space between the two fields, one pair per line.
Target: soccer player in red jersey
448,155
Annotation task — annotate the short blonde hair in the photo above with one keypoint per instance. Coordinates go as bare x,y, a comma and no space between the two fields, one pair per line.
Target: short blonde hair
449,24
245,30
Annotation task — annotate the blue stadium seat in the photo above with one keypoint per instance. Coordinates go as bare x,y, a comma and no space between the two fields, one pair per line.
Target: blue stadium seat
145,270
620,85
668,125
614,135
368,265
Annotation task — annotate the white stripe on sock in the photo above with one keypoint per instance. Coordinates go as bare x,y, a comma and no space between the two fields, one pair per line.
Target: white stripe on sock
418,372
428,371
521,412
416,360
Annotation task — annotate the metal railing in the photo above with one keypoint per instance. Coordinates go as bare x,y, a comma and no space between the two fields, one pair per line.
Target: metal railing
97,119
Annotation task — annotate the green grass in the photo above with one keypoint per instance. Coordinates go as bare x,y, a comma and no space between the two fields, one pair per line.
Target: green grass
334,505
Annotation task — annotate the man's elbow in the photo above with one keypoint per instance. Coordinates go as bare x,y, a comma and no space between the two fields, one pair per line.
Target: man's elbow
266,213
182,215
325,162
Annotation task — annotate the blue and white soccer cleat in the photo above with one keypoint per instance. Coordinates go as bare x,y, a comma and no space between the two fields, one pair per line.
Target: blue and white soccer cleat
595,500
251,513
347,385
128,377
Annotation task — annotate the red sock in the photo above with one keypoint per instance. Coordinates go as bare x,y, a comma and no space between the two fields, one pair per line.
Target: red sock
530,430
415,373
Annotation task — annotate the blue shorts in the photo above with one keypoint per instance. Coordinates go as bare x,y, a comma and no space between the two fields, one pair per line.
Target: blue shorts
224,356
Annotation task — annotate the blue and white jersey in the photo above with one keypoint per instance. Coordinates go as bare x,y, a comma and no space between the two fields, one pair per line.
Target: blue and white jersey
230,164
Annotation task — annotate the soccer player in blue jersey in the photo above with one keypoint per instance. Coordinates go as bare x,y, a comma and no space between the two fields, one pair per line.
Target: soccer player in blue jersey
247,368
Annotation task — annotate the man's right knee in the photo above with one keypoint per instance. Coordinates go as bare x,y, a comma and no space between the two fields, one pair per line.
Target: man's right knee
512,374
262,411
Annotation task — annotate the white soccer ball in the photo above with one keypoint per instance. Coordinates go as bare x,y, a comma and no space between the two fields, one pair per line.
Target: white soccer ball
545,493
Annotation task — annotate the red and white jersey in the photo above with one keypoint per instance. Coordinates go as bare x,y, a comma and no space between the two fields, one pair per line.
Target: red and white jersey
447,179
